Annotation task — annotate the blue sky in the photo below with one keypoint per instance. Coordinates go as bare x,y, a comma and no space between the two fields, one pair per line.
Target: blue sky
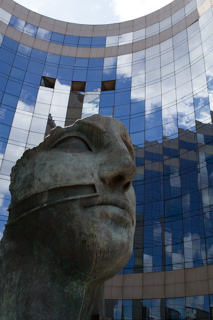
94,11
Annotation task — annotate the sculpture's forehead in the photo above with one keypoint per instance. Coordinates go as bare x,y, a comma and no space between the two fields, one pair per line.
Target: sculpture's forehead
100,125
96,127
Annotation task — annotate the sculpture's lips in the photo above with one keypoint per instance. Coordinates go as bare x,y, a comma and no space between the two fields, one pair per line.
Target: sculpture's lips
85,194
50,197
105,202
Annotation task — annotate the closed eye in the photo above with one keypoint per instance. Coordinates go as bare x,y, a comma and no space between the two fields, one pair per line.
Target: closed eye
72,144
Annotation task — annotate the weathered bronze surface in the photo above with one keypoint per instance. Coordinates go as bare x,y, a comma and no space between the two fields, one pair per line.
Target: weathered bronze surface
71,222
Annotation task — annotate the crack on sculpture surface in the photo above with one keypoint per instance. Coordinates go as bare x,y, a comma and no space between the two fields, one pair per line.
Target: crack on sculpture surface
71,222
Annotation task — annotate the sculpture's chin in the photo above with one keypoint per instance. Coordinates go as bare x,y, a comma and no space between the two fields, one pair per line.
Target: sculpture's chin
88,244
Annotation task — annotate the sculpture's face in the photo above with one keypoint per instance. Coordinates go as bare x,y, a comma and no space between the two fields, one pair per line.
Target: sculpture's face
89,216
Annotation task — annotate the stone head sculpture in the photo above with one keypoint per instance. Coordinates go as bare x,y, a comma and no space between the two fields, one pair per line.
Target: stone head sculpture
71,222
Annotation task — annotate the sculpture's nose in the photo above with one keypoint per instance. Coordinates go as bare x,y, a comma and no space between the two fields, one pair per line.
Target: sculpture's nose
119,171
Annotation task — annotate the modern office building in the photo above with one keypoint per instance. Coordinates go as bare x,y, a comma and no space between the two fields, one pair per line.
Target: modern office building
155,74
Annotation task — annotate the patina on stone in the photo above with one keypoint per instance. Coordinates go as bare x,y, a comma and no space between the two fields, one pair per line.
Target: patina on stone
71,222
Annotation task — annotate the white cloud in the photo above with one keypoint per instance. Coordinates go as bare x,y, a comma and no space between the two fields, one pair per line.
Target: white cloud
136,8
1,235
91,12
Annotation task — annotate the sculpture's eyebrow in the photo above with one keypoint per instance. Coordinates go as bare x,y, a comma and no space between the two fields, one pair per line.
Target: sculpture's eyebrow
129,148
93,131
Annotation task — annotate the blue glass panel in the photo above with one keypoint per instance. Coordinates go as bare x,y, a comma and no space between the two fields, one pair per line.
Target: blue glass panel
50,71
109,74
187,145
67,61
30,29
65,73
57,38
53,58
17,23
123,83
107,99
5,68
6,116
137,124
154,134
71,40
43,34
35,67
122,110
93,86
94,75
81,63
29,92
20,62
84,41
138,107
6,56
1,95
3,82
209,245
108,111
80,75
17,73
122,97
98,42
173,209
24,50
4,131
9,43
96,63
171,153
10,100
32,78
38,55
13,87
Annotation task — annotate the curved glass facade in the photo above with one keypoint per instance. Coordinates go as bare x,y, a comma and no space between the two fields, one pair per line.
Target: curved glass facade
155,74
